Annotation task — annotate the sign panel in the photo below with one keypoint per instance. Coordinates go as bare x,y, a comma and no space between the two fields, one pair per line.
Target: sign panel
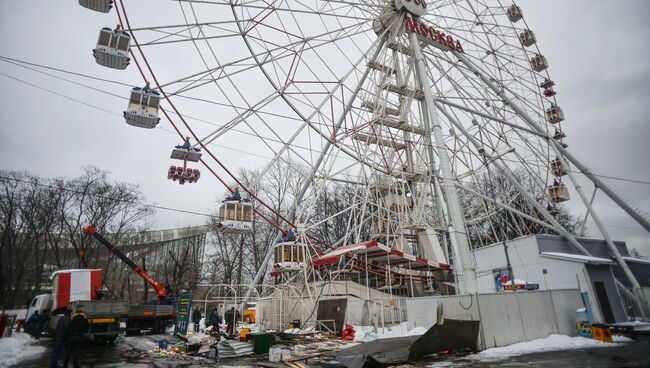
432,36
184,306
501,277
503,281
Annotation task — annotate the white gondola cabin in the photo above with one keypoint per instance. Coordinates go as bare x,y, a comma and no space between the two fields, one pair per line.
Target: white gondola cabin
558,169
527,38
236,216
554,114
143,108
514,13
539,63
558,193
112,49
290,256
558,135
102,6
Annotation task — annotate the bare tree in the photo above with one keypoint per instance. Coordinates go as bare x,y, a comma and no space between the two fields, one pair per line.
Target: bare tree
41,221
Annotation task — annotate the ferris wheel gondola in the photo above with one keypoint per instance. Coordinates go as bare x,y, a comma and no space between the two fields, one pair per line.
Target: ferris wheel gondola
112,50
236,214
142,110
102,6
185,152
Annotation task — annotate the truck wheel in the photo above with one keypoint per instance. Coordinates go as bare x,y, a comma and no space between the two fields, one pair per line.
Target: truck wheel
111,339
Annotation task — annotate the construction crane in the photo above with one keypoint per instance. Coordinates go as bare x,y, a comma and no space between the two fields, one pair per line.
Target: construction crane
160,290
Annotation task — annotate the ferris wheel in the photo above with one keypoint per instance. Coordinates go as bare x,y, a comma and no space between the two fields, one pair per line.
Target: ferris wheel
436,123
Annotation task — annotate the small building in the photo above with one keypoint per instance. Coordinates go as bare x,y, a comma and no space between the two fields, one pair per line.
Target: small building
550,262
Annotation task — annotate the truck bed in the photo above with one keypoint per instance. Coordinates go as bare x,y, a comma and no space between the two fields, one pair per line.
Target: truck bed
100,308
151,310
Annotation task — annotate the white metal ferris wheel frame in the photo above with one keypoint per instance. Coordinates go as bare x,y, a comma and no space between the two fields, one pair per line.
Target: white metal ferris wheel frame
434,104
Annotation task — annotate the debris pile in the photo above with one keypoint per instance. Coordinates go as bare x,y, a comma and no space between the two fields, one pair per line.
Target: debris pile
232,349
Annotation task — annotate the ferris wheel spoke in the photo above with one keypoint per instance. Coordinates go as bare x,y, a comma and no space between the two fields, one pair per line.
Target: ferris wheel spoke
252,62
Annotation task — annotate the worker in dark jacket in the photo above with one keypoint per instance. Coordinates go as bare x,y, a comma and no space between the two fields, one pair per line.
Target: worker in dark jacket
60,338
32,322
215,320
231,316
196,318
76,334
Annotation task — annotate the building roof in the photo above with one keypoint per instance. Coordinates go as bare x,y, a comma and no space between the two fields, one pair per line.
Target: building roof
577,258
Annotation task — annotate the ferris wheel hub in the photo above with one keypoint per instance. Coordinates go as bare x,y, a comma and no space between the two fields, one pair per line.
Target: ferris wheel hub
416,7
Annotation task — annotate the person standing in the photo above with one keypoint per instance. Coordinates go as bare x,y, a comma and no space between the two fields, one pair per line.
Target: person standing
215,320
76,334
196,318
32,322
231,320
60,338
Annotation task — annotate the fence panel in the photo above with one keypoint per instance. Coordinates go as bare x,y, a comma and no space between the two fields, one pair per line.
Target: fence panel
565,303
501,320
538,314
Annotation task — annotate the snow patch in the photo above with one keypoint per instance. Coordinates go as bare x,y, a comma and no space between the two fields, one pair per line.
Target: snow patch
619,338
143,343
551,343
368,333
17,348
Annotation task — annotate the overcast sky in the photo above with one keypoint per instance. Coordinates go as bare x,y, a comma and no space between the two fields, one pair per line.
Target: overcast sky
597,52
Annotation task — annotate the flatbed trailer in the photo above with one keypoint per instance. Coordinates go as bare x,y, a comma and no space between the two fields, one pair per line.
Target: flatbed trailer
103,317
152,318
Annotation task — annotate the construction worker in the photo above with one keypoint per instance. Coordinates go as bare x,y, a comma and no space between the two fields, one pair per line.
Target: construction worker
31,324
60,338
290,235
215,320
99,294
235,195
231,316
186,145
196,318
76,334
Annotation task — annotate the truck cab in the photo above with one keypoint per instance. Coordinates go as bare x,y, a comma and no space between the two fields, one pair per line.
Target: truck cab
40,303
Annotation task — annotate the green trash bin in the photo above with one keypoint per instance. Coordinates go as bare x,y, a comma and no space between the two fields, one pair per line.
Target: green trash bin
261,342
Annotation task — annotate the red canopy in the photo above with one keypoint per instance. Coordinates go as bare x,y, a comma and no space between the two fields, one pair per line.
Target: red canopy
379,253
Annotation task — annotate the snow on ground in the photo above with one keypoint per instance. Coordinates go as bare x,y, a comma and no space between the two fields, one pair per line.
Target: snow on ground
144,343
368,333
18,347
551,343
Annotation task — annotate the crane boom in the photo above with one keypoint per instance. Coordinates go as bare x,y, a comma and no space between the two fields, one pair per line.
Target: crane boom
160,290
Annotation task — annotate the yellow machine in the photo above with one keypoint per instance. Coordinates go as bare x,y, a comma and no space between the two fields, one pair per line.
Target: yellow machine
249,315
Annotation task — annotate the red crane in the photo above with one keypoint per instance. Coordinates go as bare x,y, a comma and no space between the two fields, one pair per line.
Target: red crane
160,290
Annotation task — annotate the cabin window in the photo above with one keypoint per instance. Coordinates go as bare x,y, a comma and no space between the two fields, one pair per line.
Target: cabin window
135,98
230,215
104,37
123,43
153,101
248,213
